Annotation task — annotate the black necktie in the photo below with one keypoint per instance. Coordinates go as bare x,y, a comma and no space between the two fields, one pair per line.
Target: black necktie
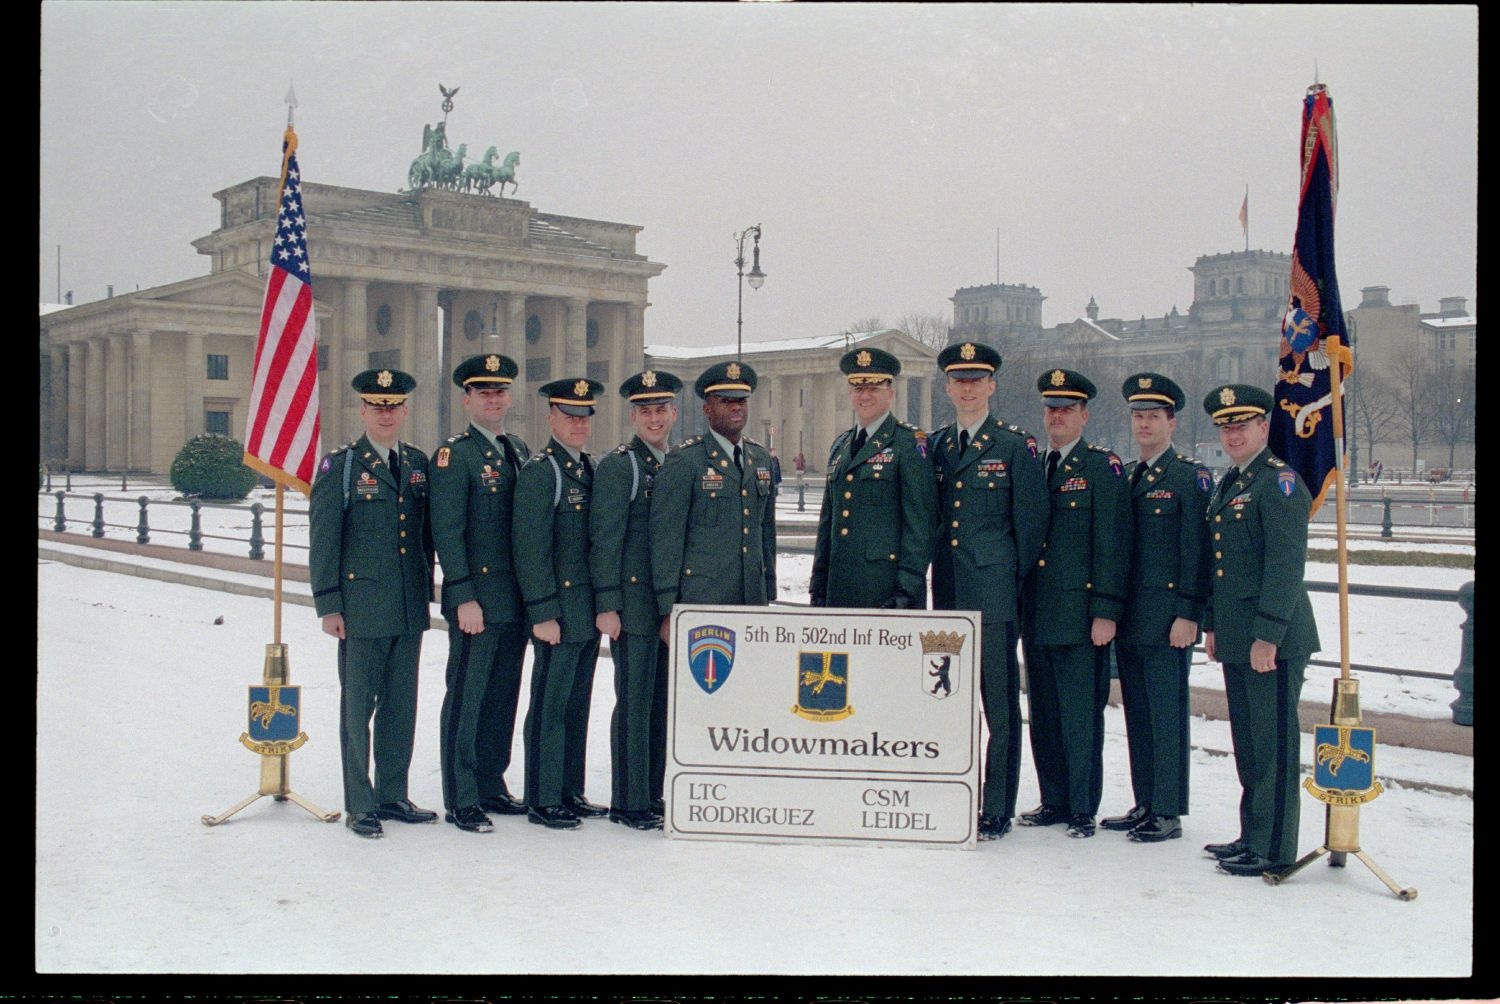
738,465
395,467
1052,458
510,453
859,441
963,440
1135,478
1229,478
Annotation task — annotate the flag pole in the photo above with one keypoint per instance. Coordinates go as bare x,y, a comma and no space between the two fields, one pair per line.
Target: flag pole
274,723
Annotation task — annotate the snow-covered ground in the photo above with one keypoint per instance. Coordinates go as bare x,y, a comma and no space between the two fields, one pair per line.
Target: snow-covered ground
141,699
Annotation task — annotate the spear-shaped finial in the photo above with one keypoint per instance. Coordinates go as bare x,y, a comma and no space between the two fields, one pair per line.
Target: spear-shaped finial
291,104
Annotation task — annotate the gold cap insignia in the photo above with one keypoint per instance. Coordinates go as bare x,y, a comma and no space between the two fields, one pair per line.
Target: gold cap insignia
492,363
1058,379
863,359
1144,383
581,389
733,371
384,379
648,379
967,352
1226,396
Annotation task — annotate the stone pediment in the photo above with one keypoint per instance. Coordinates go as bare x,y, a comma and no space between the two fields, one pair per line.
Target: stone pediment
224,289
1083,332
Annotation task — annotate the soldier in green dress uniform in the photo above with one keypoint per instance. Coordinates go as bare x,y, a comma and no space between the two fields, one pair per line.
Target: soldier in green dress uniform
1072,603
875,527
625,598
713,516
1259,624
992,519
1164,606
370,564
550,548
473,485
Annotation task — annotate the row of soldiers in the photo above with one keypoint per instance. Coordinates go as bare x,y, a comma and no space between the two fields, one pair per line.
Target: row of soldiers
1068,550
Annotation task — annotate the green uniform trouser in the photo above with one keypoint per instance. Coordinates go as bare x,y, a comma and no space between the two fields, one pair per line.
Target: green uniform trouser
659,722
1068,687
1267,740
479,711
640,672
377,676
1000,691
1154,690
556,730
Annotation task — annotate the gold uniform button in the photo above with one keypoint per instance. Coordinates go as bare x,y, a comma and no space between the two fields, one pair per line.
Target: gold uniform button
1088,585
877,474
1158,512
400,499
744,549
955,524
845,513
893,557
632,578
848,495
747,531
954,542
848,477
1218,554
1221,573
402,516
403,533
1171,585
567,584
747,512
957,504
484,569
1072,505
1218,519
687,571
493,490
580,506
744,491
713,495
1042,563
958,484
992,484
403,550
844,532
1239,515
351,576
1218,536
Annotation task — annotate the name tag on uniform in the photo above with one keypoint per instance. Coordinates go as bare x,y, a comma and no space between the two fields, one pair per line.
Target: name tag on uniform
1074,484
992,468
712,480
576,496
489,477
367,485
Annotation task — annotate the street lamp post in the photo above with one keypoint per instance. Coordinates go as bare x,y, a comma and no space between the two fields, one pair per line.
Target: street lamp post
757,277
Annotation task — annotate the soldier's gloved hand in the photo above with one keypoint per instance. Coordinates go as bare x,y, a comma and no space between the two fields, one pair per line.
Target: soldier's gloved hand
897,601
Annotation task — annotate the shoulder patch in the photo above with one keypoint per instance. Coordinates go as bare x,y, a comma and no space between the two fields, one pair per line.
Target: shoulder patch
921,438
443,454
1115,466
1205,480
1286,481
1031,446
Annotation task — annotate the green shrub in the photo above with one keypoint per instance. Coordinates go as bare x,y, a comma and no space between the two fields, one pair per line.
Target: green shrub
209,467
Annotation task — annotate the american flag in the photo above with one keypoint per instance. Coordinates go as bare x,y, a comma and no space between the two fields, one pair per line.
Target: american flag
281,433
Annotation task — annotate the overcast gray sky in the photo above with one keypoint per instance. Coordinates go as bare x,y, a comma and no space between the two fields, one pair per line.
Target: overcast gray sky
880,147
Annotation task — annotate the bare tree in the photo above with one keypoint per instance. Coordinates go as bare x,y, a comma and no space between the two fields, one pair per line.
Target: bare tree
1374,408
1409,378
927,328
1450,406
863,324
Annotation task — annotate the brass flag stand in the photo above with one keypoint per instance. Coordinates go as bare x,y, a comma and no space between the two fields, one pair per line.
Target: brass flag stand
280,440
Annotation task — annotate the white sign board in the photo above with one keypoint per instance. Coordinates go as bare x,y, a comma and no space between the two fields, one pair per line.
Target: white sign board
831,725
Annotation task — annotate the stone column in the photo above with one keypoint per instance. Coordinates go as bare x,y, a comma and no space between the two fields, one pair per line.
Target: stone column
140,401
422,427
440,391
356,357
621,364
194,372
57,403
78,354
575,350
117,410
94,427
521,419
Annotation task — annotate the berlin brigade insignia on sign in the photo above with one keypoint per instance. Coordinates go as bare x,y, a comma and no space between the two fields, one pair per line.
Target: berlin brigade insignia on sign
1343,765
274,721
939,669
710,655
822,686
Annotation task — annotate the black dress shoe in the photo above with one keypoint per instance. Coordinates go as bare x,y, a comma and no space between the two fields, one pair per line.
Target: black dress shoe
503,804
1233,849
470,818
553,816
993,827
658,806
636,819
1081,825
1044,815
1248,863
364,824
405,812
1156,829
583,808
1137,815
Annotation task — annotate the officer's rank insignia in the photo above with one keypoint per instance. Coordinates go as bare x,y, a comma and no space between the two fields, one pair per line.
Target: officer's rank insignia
939,670
967,352
732,371
1205,480
273,721
385,379
1343,765
822,686
710,655
1287,482
444,453
1058,379
492,363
